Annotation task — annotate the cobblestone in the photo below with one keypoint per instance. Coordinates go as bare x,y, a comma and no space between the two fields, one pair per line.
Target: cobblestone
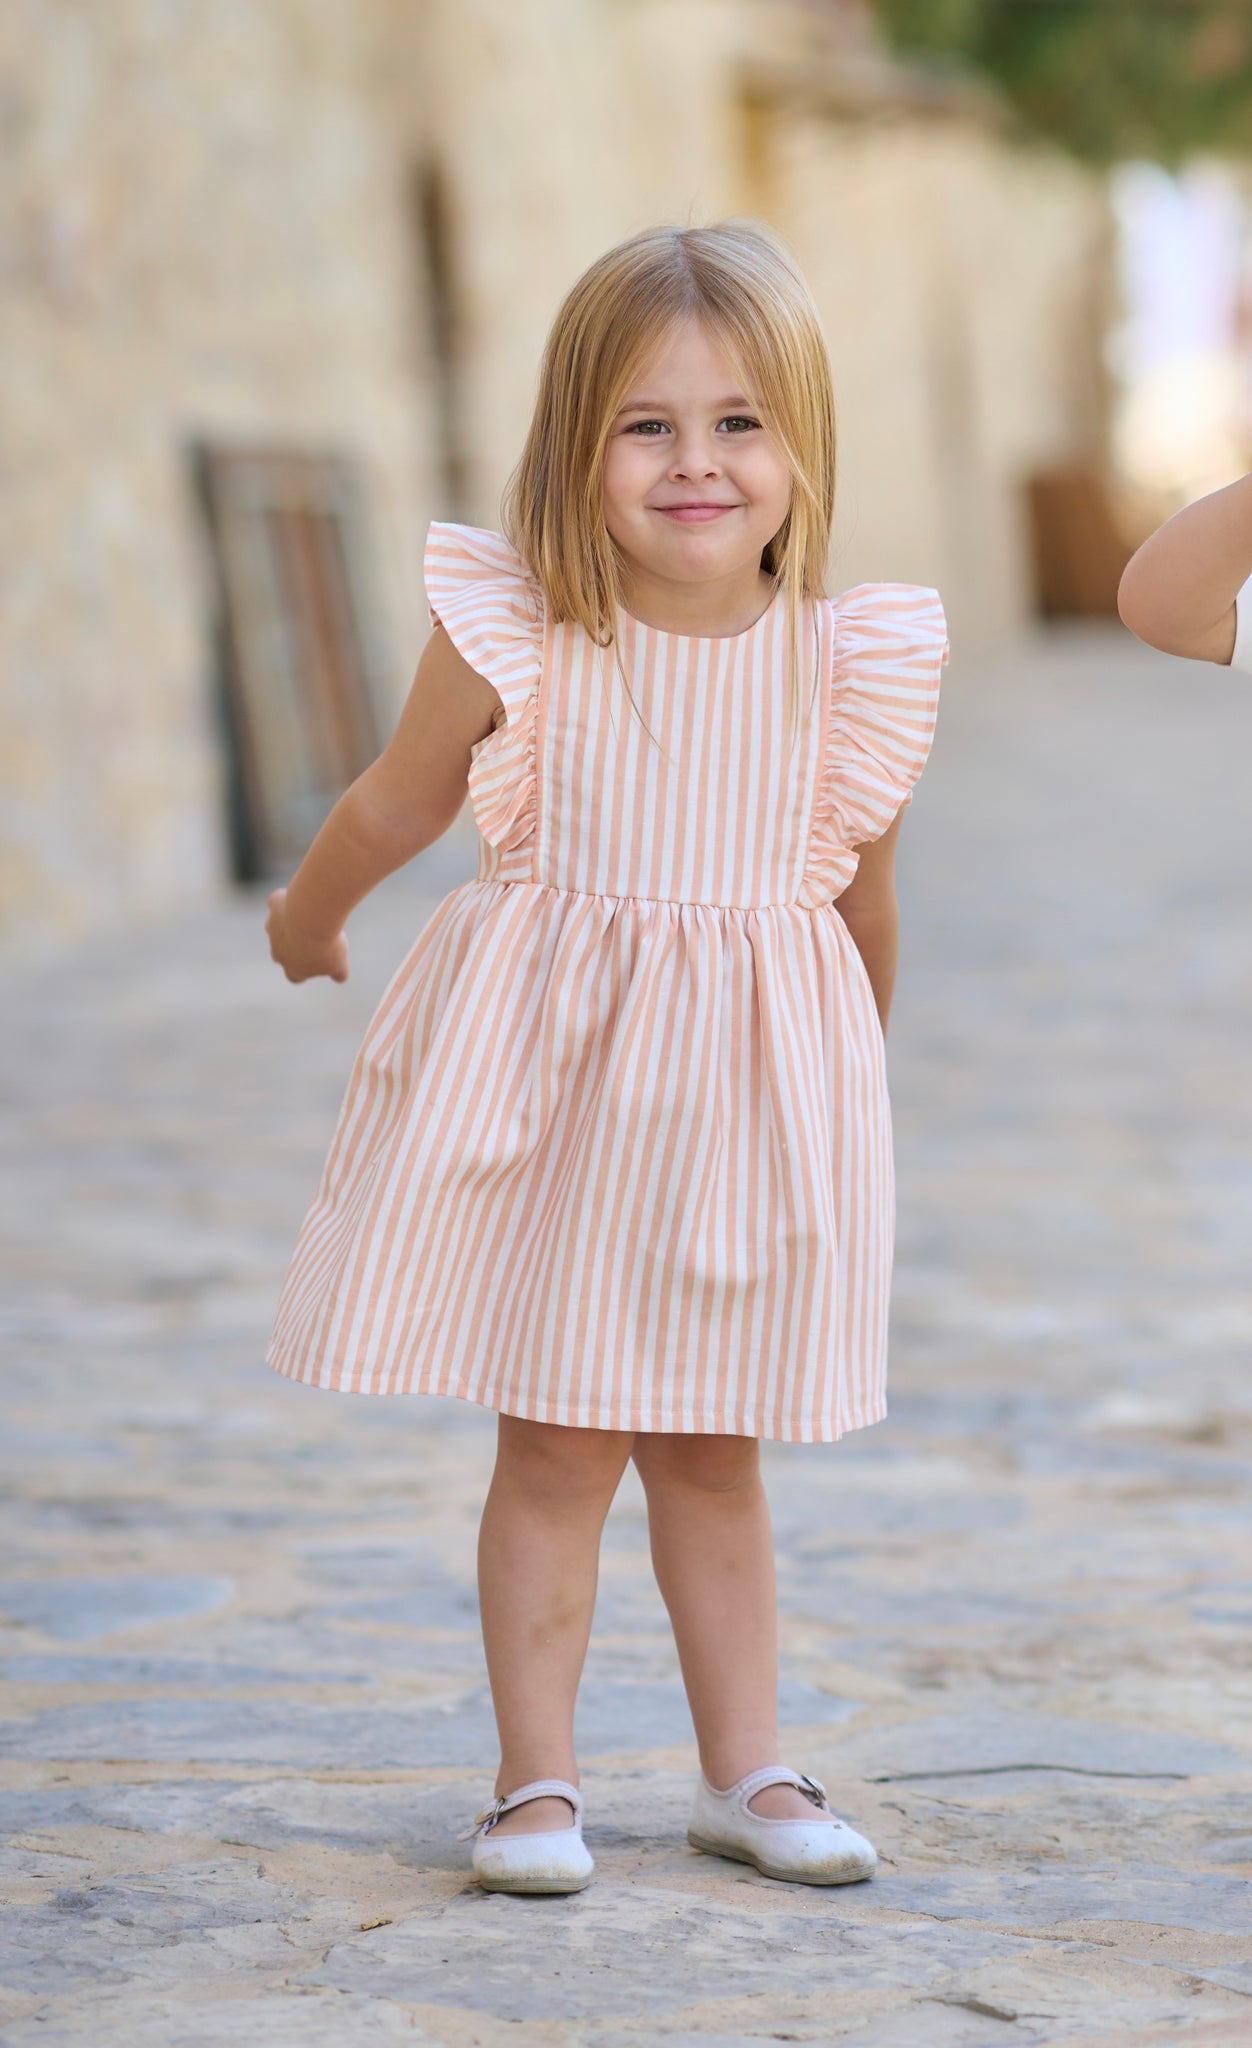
243,1705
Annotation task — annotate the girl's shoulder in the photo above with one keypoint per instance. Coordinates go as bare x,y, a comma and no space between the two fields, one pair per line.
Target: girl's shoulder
889,643
462,560
903,612
489,603
885,633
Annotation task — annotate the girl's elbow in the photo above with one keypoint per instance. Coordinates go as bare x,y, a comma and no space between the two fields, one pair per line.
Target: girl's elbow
877,912
391,832
1133,608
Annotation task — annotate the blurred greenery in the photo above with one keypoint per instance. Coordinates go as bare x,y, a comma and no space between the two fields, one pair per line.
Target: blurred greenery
1109,79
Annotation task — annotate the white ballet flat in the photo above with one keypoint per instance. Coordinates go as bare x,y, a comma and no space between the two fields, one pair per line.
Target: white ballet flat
805,1852
556,1861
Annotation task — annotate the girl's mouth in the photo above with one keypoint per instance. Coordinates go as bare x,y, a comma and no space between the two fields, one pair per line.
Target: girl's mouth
693,515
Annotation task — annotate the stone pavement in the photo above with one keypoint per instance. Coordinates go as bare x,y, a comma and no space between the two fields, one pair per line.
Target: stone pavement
244,1705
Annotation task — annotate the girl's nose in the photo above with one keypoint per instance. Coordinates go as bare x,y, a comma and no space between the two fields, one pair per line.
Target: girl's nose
695,459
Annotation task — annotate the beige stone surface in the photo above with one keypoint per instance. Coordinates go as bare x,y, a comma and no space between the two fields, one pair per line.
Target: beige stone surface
242,1702
208,236
958,277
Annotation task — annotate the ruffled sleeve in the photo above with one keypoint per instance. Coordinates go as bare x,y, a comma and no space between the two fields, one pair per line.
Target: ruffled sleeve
890,642
491,607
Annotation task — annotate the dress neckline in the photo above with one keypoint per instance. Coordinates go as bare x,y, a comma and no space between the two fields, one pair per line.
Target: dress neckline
704,639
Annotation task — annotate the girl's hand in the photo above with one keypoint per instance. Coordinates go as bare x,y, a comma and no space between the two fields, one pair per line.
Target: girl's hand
300,955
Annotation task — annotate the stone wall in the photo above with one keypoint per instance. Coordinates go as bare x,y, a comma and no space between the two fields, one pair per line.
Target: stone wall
206,235
956,275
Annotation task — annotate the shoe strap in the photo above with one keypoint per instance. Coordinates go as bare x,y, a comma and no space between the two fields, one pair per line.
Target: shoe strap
504,1802
776,1774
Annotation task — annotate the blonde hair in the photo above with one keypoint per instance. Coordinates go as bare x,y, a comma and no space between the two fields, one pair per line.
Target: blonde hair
738,280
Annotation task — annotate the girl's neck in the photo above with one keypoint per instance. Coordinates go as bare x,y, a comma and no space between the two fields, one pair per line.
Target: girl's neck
714,611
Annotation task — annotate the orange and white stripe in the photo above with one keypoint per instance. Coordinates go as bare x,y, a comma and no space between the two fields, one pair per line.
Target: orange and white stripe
616,1150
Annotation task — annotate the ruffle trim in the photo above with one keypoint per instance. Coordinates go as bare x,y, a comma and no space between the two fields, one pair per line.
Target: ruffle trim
890,643
491,607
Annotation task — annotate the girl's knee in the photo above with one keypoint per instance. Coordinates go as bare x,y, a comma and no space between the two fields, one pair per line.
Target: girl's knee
552,1456
711,1464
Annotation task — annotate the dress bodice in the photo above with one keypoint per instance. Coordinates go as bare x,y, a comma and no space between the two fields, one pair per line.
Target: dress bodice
719,806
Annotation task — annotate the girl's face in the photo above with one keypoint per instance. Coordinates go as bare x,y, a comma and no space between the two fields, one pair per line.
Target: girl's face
694,485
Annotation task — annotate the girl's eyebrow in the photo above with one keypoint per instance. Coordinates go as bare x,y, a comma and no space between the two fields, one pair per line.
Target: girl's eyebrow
659,405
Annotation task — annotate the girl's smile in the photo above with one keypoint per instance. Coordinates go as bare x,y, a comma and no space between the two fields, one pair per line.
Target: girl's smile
695,488
694,514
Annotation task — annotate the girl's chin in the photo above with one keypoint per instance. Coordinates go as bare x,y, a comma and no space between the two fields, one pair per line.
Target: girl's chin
671,549
710,537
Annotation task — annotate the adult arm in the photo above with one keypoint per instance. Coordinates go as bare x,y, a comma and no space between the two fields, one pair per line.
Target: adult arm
1178,591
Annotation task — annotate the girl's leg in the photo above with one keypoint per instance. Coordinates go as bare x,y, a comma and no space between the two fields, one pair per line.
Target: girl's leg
538,1563
713,1553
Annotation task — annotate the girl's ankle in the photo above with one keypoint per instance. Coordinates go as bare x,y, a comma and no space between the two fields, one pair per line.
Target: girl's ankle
545,1814
510,1781
733,1772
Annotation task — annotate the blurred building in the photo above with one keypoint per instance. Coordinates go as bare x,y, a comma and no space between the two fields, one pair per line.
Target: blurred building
1183,422
276,278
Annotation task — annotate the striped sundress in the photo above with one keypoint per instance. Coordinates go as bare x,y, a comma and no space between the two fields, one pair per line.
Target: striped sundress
616,1149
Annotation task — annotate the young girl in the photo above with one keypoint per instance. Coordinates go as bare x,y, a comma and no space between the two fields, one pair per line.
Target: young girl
615,1157
1188,590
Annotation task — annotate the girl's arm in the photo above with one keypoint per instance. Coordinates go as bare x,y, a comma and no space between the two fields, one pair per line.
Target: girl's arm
868,907
404,800
1178,591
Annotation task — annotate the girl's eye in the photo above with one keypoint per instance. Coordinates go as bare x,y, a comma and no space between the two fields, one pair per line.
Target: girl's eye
647,430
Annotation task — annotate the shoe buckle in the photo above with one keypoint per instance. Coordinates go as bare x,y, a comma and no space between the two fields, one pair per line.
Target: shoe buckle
485,1820
814,1787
